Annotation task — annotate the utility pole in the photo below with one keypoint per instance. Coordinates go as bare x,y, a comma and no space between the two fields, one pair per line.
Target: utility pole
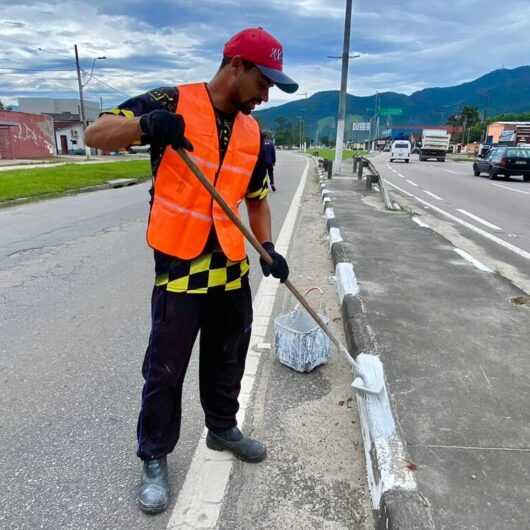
82,108
339,144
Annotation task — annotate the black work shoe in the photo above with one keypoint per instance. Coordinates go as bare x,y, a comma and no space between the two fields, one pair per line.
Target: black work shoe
153,495
242,447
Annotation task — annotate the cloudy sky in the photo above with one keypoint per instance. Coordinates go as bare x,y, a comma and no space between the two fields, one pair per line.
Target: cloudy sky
405,45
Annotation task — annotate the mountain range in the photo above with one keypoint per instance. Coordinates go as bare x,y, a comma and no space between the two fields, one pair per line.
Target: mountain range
500,91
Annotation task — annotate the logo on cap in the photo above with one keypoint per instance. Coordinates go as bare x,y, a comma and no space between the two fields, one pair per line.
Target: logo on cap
277,54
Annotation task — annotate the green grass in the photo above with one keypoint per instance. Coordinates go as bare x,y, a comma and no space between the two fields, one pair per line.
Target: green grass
18,183
329,154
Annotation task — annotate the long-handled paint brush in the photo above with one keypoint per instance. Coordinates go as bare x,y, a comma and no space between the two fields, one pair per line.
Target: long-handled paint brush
368,368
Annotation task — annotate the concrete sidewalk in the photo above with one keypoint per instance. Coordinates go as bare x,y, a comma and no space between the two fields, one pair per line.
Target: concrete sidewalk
455,350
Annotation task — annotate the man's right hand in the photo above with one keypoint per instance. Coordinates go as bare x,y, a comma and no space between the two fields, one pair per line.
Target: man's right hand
165,128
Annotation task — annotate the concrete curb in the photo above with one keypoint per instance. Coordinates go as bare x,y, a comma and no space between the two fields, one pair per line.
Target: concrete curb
111,184
395,496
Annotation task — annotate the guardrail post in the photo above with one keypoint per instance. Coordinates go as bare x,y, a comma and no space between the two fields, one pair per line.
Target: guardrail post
329,168
360,165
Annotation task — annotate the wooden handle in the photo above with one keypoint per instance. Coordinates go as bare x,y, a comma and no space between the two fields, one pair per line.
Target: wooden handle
262,252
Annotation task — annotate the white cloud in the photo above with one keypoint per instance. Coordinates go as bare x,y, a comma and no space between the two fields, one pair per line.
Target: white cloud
405,45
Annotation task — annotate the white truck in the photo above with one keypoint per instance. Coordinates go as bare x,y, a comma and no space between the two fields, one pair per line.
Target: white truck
434,144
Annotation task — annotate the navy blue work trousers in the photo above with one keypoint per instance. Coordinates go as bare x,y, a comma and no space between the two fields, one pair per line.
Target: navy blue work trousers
224,320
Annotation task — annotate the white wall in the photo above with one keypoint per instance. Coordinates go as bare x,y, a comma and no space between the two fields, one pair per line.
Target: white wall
58,106
74,136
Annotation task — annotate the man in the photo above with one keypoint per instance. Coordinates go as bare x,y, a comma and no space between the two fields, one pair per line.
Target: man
269,156
201,264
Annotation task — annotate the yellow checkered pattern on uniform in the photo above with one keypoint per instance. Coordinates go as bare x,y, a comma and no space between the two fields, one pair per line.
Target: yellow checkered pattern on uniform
262,192
206,272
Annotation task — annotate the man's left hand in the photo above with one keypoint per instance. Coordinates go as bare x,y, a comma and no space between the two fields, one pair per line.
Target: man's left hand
279,268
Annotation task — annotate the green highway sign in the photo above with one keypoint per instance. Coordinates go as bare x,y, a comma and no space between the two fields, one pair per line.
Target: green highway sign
391,112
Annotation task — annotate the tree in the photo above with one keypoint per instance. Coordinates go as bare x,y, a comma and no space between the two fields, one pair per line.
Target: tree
469,118
2,107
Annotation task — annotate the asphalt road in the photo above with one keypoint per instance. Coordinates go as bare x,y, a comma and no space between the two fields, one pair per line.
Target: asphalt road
75,282
495,214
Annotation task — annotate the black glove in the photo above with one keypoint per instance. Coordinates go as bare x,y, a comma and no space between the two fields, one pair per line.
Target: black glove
278,268
165,128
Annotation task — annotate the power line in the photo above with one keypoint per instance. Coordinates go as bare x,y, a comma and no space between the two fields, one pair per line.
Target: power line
111,87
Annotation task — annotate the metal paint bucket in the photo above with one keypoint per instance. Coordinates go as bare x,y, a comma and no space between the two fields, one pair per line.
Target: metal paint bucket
299,342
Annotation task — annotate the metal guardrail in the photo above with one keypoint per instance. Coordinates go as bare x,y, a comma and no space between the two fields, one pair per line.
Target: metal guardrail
372,177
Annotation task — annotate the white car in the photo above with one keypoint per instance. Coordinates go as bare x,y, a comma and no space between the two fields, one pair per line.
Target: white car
400,150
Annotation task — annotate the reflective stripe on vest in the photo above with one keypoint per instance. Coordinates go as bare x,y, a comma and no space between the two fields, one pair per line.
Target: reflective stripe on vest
183,211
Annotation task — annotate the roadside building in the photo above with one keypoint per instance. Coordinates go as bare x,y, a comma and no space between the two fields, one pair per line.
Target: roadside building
69,137
508,133
66,115
59,107
25,135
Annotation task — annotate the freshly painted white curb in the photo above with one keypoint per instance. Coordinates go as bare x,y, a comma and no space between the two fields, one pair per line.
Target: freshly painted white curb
346,280
386,462
330,214
334,236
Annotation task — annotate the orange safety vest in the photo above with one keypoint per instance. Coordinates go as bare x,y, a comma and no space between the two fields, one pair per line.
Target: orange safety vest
183,211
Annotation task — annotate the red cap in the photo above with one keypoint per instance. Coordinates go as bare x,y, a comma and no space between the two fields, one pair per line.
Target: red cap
261,48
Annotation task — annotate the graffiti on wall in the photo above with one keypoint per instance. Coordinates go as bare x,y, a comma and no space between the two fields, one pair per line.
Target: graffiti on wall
24,135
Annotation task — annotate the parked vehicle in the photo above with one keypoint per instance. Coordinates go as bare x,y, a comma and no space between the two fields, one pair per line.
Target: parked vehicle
138,149
400,150
505,161
434,144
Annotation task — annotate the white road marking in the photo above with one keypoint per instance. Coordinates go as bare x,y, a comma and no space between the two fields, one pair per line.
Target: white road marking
400,175
419,222
475,262
491,237
400,189
451,171
509,189
480,220
376,187
412,182
200,500
433,195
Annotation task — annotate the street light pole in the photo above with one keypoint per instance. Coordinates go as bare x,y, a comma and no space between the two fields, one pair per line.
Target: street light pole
81,99
82,108
339,143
